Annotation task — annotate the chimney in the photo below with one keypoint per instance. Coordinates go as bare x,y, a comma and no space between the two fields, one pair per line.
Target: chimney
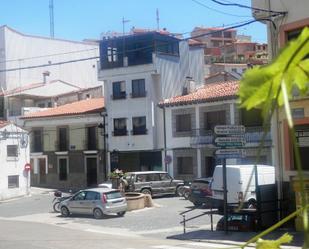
45,74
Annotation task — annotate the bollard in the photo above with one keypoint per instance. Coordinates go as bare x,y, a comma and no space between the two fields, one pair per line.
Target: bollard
184,223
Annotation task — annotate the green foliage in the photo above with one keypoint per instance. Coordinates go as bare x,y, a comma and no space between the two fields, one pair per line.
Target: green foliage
274,244
261,86
269,87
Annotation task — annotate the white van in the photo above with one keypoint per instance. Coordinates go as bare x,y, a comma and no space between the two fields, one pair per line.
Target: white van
237,180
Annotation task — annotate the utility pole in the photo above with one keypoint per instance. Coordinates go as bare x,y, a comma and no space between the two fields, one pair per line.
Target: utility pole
51,18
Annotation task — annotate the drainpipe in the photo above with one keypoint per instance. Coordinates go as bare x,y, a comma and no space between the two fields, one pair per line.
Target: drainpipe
164,136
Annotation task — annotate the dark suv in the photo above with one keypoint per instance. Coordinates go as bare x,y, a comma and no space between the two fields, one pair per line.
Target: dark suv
152,182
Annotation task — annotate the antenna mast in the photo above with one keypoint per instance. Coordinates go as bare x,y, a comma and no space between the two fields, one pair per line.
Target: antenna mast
51,18
158,20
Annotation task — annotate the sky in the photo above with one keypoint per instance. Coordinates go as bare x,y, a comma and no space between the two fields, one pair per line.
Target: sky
87,19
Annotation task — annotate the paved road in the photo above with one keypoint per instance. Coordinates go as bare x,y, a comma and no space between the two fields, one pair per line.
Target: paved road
31,223
29,235
159,222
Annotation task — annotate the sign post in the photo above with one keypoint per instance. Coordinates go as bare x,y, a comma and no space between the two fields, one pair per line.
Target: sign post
229,141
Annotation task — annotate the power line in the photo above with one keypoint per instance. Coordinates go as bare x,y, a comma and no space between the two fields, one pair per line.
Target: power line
49,55
248,7
146,47
49,64
235,26
218,11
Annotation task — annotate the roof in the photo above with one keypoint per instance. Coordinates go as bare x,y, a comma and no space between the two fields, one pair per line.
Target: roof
3,123
208,93
219,73
193,42
46,37
52,88
76,108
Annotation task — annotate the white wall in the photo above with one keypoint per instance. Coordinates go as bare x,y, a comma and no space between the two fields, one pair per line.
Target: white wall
131,107
13,166
19,46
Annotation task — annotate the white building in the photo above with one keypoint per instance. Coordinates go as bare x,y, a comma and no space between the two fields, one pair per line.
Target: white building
35,55
139,71
14,155
190,121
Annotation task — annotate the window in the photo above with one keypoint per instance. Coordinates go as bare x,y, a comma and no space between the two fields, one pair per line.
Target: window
63,139
91,138
90,195
165,177
252,118
37,141
211,119
2,110
139,125
185,165
41,105
183,122
120,127
49,104
12,150
80,196
119,90
112,55
138,88
63,169
13,181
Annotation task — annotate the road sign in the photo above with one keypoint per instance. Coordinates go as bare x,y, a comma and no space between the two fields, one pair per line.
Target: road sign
230,153
237,141
229,129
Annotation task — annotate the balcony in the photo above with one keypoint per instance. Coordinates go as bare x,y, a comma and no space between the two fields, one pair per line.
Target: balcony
205,138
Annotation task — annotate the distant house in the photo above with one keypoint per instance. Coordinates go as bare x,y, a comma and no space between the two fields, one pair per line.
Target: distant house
39,96
190,121
67,148
14,155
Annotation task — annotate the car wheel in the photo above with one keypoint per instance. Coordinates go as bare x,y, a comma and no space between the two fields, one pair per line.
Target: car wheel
146,191
65,211
179,191
186,194
252,204
120,214
97,213
197,203
56,207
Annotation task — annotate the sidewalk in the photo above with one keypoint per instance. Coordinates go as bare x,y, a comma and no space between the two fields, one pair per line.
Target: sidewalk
236,238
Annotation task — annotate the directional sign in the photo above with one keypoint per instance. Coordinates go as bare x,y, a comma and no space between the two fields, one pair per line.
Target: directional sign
230,153
229,129
237,141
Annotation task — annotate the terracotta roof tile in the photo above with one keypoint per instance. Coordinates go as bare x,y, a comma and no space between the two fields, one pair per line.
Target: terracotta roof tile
208,93
75,108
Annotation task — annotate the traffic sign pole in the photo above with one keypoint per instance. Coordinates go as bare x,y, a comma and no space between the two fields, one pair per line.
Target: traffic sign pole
224,195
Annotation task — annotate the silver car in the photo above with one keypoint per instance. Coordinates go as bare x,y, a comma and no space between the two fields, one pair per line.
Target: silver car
95,201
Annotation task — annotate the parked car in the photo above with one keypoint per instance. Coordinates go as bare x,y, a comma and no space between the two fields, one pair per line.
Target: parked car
238,222
239,186
95,201
199,190
154,183
105,185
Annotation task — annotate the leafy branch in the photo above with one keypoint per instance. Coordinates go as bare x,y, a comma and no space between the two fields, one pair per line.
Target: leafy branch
269,87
